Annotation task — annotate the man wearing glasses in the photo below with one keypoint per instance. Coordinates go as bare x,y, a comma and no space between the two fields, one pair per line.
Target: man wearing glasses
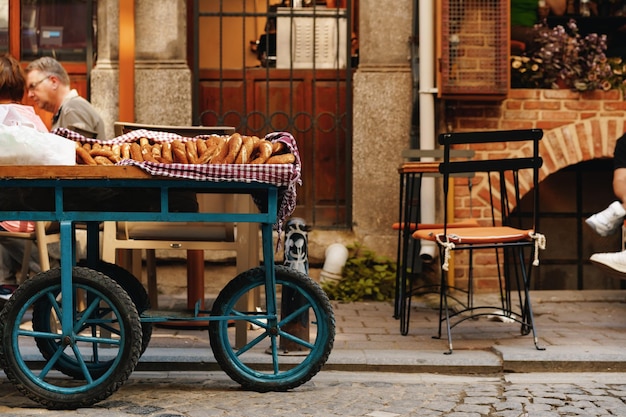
48,85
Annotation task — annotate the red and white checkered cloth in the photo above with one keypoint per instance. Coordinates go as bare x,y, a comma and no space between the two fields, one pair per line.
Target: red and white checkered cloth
282,175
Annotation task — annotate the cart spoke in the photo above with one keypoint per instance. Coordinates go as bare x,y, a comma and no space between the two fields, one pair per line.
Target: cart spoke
78,366
298,346
297,340
254,342
275,361
295,314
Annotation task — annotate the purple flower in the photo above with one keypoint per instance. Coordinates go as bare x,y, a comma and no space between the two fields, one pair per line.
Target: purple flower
562,54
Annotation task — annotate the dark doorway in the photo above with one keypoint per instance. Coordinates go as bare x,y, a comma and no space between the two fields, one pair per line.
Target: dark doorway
567,198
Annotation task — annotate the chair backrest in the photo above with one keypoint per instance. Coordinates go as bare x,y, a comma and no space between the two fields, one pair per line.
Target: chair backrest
188,131
207,202
422,154
502,173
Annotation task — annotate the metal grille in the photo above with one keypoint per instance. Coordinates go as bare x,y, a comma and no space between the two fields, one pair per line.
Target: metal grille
474,48
297,78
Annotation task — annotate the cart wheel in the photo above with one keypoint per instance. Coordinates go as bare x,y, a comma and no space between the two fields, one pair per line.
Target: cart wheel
135,290
262,364
46,320
103,341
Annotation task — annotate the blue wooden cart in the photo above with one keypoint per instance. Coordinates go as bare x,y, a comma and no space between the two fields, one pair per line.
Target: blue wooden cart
91,323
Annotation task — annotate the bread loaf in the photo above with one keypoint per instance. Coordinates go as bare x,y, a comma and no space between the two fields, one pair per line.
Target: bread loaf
235,149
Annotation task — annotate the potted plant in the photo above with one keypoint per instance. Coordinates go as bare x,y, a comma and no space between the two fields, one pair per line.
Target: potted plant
565,59
365,276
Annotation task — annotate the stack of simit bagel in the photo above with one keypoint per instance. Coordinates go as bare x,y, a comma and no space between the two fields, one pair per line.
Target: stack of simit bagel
234,149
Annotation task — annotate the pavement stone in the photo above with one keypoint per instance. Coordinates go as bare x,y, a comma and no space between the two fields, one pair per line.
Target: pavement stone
374,371
581,331
352,394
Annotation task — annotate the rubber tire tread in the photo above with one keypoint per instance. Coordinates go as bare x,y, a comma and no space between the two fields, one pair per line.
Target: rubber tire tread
135,290
254,278
138,295
131,347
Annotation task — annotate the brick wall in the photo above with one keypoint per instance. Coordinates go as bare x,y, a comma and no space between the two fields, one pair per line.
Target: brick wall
577,127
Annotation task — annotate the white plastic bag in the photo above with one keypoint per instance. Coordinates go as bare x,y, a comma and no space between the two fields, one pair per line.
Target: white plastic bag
21,115
21,145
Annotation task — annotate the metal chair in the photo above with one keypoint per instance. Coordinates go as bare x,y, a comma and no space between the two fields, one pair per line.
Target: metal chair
512,239
44,233
410,262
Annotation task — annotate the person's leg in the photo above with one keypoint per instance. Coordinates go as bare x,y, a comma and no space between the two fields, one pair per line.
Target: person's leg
611,219
608,221
12,254
8,266
619,184
613,262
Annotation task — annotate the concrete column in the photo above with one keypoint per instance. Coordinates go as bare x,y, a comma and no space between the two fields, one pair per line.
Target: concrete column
105,75
382,120
162,77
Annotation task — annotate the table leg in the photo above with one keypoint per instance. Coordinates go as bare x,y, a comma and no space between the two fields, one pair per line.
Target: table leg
195,278
151,276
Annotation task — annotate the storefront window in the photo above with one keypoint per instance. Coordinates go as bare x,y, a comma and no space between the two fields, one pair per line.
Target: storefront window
59,28
4,26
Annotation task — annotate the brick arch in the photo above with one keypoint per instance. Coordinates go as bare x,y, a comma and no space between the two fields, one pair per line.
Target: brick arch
581,141
480,197
560,147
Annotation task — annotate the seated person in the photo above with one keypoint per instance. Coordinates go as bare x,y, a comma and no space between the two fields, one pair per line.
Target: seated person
50,88
610,220
525,14
12,89
266,47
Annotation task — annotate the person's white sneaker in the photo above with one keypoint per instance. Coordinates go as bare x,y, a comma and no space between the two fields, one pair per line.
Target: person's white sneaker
609,220
612,262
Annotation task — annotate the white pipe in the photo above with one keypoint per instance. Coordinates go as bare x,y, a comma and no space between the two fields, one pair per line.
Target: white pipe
336,257
427,91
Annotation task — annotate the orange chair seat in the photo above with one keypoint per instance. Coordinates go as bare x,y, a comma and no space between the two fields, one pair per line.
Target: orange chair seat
422,226
476,235
419,168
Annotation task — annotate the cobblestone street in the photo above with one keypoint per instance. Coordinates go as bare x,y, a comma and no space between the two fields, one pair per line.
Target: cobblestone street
352,394
373,371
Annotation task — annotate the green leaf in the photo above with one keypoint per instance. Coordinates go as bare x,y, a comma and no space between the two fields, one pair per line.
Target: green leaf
365,276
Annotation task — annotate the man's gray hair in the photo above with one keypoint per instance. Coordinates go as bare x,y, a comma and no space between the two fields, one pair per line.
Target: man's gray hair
51,67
